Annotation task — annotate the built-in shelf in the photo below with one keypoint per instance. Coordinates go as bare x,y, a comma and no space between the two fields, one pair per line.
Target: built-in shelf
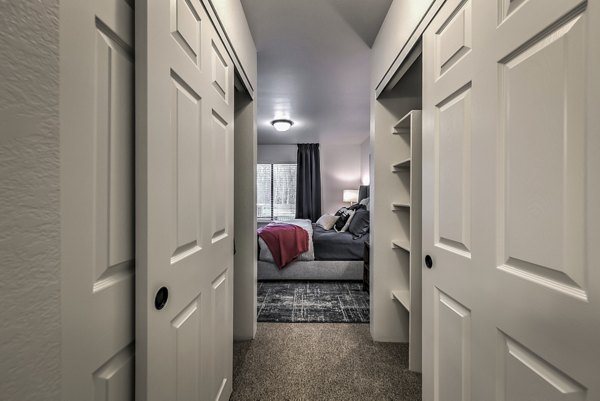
401,245
402,296
406,205
404,164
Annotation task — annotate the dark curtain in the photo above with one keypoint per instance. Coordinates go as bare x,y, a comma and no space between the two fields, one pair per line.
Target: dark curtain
308,182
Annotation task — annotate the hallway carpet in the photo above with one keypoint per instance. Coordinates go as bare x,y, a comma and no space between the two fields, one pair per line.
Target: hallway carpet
320,361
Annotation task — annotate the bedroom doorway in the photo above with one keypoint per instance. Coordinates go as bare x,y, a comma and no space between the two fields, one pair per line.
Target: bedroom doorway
326,282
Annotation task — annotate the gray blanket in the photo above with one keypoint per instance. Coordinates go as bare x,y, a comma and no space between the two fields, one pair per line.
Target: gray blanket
331,245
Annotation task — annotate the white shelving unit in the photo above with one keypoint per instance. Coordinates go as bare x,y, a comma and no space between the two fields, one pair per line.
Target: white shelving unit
408,212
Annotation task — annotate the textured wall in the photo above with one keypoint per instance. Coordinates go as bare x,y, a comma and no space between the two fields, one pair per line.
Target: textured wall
29,201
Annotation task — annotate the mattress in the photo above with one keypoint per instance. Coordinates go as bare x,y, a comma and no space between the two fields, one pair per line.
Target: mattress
331,245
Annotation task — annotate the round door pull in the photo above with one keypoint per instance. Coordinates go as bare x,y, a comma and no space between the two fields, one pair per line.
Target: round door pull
428,261
160,300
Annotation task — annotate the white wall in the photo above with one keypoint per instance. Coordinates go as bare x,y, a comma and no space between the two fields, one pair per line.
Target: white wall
365,152
340,169
400,22
277,154
30,331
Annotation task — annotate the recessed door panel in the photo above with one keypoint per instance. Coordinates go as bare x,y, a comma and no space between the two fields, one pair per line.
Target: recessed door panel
113,381
114,159
185,28
452,354
544,159
453,196
222,352
219,170
219,72
454,38
526,376
185,121
187,325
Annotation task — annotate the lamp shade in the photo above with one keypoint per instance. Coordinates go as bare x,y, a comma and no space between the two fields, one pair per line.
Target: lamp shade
350,195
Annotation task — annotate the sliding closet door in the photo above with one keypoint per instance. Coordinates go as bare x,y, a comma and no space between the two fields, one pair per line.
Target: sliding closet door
184,174
97,199
511,184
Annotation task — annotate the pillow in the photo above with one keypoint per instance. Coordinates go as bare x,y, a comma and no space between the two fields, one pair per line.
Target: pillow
365,202
343,214
356,206
360,223
348,218
327,221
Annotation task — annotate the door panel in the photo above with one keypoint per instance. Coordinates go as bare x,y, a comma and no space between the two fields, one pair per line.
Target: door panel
543,162
187,343
526,376
185,125
222,312
453,164
113,381
452,337
453,39
509,170
185,190
97,199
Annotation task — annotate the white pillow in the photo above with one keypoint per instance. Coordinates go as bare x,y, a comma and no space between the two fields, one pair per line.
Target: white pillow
327,221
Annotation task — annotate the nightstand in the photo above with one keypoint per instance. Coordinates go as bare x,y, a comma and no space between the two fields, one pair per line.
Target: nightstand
366,267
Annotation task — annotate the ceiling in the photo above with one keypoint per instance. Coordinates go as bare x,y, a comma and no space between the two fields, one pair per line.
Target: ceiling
314,67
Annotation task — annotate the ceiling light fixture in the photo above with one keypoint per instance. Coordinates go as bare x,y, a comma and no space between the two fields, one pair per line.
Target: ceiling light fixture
282,124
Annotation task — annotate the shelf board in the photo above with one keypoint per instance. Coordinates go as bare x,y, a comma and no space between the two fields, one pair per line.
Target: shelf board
404,164
402,296
403,125
405,245
400,206
401,131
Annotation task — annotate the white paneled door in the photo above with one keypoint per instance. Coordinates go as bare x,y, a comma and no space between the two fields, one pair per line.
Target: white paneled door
97,199
511,188
184,199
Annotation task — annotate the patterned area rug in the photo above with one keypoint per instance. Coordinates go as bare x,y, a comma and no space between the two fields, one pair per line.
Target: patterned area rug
312,302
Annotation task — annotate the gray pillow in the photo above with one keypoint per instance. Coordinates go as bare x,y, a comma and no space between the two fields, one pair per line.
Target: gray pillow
359,225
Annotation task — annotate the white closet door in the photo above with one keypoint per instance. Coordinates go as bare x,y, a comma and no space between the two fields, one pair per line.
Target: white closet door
184,174
97,199
511,188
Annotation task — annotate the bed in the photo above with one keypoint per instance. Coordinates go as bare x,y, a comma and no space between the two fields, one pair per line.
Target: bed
337,256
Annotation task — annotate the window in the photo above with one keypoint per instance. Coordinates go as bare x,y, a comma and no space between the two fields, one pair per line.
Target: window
276,191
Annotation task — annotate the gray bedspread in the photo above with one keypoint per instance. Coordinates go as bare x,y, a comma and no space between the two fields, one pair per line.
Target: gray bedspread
331,245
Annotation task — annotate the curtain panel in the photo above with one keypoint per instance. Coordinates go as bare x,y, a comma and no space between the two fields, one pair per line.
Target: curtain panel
308,182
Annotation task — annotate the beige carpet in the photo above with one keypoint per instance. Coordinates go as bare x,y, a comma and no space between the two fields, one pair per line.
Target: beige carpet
318,361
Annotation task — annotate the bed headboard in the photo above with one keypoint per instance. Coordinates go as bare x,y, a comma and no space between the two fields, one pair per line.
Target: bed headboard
363,192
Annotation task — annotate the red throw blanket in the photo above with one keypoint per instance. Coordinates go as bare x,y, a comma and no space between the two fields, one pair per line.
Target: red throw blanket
285,241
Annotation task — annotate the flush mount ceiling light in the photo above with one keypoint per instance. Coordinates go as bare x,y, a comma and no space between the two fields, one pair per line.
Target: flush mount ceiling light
282,124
